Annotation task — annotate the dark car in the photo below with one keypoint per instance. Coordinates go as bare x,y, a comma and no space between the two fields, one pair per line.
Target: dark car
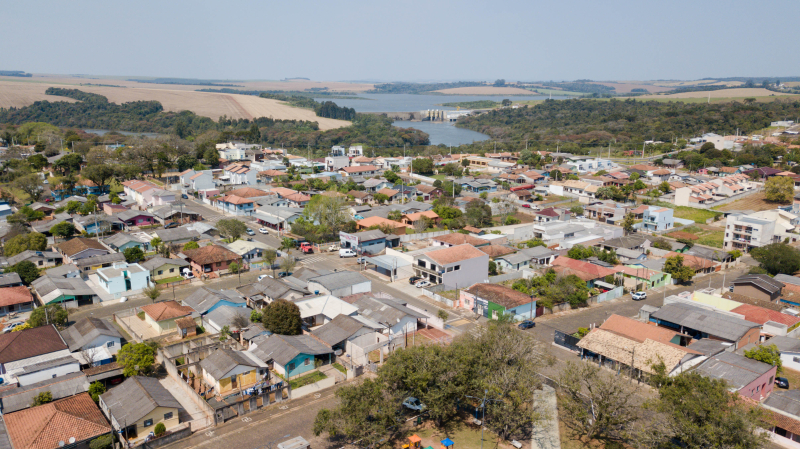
184,196
782,382
527,324
284,274
414,279
172,224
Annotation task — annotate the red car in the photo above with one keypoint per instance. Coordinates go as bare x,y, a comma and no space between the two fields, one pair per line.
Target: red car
526,206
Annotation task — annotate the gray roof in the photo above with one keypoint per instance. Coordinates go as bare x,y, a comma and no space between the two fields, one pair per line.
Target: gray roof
787,401
223,360
10,279
653,264
169,210
60,387
62,270
707,321
158,261
67,286
384,311
337,330
224,316
737,370
117,240
176,234
784,344
340,279
205,298
629,253
269,287
707,346
365,236
786,279
630,242
515,258
708,253
100,260
537,251
761,281
133,399
253,331
47,364
35,255
283,348
86,330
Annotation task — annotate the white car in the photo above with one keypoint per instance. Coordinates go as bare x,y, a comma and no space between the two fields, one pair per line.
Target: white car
264,276
11,326
638,296
422,284
263,230
250,232
188,275
347,252
123,299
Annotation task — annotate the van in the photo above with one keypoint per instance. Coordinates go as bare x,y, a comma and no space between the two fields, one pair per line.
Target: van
347,252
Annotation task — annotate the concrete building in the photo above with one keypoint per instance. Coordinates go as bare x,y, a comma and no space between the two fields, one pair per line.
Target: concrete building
657,219
123,277
744,233
339,284
759,286
138,405
455,266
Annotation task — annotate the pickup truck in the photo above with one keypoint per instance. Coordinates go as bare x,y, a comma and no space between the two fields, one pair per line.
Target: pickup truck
306,248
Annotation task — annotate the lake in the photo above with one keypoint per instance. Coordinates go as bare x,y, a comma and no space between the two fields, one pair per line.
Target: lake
439,132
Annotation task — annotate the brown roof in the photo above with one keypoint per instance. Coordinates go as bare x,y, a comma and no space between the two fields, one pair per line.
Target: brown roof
298,197
500,294
360,194
454,254
426,189
587,267
663,171
636,330
696,263
249,192
185,323
418,215
496,250
15,295
271,173
101,369
46,426
522,193
388,192
210,254
166,310
457,238
377,221
472,229
642,355
78,244
235,199
728,169
30,343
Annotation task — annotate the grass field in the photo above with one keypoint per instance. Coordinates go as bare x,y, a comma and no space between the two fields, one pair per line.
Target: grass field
709,235
755,202
626,87
690,213
168,280
308,379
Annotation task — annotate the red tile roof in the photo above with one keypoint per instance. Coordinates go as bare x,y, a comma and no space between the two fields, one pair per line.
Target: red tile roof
15,295
549,212
496,250
453,254
760,315
578,265
457,238
388,192
636,330
298,197
249,192
166,310
210,254
234,199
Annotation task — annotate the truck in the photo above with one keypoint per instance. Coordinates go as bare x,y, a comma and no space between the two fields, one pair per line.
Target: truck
306,248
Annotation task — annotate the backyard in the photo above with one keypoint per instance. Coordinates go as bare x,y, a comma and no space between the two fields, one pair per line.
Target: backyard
755,202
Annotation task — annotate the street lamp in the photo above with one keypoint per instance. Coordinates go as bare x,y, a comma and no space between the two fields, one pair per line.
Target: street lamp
483,410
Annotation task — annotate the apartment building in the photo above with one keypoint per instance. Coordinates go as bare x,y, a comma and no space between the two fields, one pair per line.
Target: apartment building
657,219
744,232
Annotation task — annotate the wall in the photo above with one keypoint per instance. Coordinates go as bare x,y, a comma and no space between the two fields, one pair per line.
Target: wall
103,341
198,422
752,292
764,384
166,273
422,236
472,271
157,415
300,366
438,298
56,371
506,276
178,433
433,320
313,388
787,359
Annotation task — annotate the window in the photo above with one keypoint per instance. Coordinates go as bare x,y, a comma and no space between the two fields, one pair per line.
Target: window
110,344
41,262
219,264
291,367
457,267
160,272
307,362
771,379
148,422
167,416
171,270
54,376
796,359
449,269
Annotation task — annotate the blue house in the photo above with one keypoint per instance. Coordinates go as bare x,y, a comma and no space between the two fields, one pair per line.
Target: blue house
83,187
292,355
122,241
206,300
123,277
658,218
477,185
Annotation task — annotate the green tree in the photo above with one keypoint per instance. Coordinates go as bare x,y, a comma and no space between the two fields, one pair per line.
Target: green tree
33,241
133,254
577,210
627,223
96,389
680,272
190,245
31,185
137,359
662,243
492,268
391,176
37,161
231,228
102,442
635,176
579,252
255,316
735,254
26,270
64,230
422,165
152,292
49,314
779,189
769,354
287,264
499,83
380,198
395,215
42,398
777,258
161,429
664,187
156,243
287,245
270,256
233,267
224,333
451,189
478,214
99,174
506,102
282,317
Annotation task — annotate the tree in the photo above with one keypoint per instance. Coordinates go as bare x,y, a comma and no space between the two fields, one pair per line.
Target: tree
287,245
779,189
612,407
329,211
233,267
451,189
674,266
99,174
380,198
42,398
240,321
395,215
156,243
287,264
26,270
767,354
577,210
662,243
579,252
96,389
627,223
231,228
735,254
37,161
255,316
777,258
49,314
30,184
422,165
282,317
68,164
499,83
152,292
64,230
133,254
478,214
270,256
161,429
492,268
506,102
137,359
190,245
224,332
26,215
33,241
102,442
391,176
664,187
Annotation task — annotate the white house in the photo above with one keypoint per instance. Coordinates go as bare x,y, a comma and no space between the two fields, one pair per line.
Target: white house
340,283
240,174
249,251
790,351
92,341
322,309
34,355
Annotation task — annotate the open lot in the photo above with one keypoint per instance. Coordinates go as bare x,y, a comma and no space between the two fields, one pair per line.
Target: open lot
690,213
708,235
626,87
755,202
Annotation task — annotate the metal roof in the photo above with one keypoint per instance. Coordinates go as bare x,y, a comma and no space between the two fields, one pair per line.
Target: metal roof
135,398
205,298
784,344
786,401
253,331
158,261
223,360
761,281
707,321
786,279
338,329
86,330
384,311
100,260
224,316
60,387
737,370
283,348
339,279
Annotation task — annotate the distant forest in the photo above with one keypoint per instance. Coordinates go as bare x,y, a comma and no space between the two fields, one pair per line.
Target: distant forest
186,82
419,88
630,120
96,112
585,86
15,73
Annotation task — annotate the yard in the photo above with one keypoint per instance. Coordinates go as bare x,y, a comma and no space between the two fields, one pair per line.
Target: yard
440,177
308,379
792,376
691,213
465,436
755,202
522,217
168,280
708,235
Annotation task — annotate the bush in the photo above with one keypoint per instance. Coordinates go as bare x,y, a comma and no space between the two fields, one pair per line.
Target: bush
96,389
160,429
102,442
42,398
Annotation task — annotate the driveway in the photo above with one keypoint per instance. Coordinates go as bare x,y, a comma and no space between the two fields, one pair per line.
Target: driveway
189,411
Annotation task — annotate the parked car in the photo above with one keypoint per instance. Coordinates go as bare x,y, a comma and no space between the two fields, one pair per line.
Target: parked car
264,276
12,326
782,382
284,274
123,299
414,279
48,200
188,275
526,206
333,247
45,182
347,252
730,288
361,260
263,230
250,232
527,324
638,296
184,196
413,404
422,284
172,224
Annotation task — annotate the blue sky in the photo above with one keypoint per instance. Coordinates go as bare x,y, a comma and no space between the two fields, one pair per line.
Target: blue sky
403,40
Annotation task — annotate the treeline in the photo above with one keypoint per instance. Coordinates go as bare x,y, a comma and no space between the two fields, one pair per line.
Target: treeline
587,121
19,73
418,88
330,109
186,82
585,86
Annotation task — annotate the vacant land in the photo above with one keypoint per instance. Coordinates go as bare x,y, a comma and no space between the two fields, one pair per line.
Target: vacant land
755,202
707,235
722,93
690,213
675,84
486,90
627,87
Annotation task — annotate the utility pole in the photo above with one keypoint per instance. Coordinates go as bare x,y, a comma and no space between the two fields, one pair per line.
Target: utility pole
483,408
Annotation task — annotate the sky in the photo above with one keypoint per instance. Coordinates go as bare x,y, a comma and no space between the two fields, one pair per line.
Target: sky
408,40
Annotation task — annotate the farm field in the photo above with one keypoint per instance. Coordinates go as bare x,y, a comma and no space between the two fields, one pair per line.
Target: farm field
675,84
486,90
755,202
724,93
626,87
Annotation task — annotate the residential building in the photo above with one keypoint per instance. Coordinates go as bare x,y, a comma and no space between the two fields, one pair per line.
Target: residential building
657,219
297,200
390,315
341,332
428,193
15,300
759,286
410,219
10,280
137,218
123,277
336,163
33,355
493,301
236,205
138,405
42,259
551,214
122,241
73,420
322,309
81,248
586,165
373,185
97,224
211,261
228,370
477,185
750,378
789,348
240,174
340,283
637,278
249,251
234,317
161,316
587,271
744,233
397,228
90,264
702,323
457,238
16,398
361,170
206,299
278,218
290,355
259,294
173,212
164,268
58,290
92,341
454,266
364,242
783,415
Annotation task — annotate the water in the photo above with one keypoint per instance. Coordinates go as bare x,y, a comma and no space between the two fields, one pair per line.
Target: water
102,132
444,132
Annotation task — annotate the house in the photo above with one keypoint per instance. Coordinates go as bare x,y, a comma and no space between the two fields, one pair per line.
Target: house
360,170
322,309
249,251
744,232
97,223
493,301
759,286
384,223
164,268
42,259
122,241
172,212
80,248
750,378
123,277
773,322
392,194
587,271
33,355
454,266
538,255
636,278
364,242
373,185
210,261
236,205
457,238
790,351
263,292
205,300
783,410
289,355
278,218
410,219
297,200
58,290
139,404
428,193
551,214
392,316
73,420
234,317
228,370
477,185
672,163
161,316
240,173
88,264
177,236
16,299
360,196
340,332
340,283
13,399
10,280
628,242
92,341
137,218
704,323
657,218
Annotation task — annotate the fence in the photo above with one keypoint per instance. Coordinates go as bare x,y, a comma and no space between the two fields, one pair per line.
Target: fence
167,285
313,388
199,422
566,340
506,277
432,320
124,314
611,294
436,297
184,430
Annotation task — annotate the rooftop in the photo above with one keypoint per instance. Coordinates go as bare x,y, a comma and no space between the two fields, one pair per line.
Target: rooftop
711,322
166,310
210,254
737,370
453,254
136,398
30,343
500,295
457,238
78,244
